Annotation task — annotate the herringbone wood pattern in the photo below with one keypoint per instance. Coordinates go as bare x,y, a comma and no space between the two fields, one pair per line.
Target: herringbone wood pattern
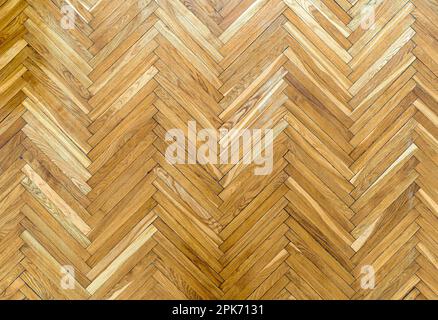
84,181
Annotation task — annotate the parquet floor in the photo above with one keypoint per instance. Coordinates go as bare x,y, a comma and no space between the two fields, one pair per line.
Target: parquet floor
85,186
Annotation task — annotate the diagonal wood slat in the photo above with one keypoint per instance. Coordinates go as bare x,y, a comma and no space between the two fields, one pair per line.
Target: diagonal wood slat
89,90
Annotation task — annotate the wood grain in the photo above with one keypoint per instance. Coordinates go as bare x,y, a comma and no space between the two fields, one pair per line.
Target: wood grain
84,181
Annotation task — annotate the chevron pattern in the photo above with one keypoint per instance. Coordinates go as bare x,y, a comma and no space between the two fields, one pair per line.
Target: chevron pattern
84,181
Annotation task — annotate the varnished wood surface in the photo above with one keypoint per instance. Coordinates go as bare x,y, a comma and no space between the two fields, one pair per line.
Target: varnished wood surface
84,181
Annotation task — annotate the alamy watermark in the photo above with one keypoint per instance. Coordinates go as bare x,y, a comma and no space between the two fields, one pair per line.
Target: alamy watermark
368,15
234,146
68,279
208,146
368,279
68,19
